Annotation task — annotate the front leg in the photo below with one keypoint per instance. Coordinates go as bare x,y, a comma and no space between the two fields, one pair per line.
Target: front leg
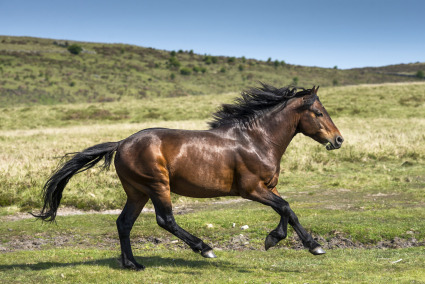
277,234
280,232
267,197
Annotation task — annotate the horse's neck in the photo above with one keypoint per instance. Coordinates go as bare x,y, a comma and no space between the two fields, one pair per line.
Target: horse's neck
277,130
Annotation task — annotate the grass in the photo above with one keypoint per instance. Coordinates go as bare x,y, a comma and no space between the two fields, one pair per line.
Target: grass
100,266
370,191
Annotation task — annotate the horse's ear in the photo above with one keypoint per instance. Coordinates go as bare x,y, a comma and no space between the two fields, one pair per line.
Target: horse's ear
314,90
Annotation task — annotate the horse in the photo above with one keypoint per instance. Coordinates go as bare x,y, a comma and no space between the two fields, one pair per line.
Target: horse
239,155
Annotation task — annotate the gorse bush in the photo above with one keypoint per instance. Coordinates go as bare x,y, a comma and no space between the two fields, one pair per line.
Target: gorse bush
174,62
185,71
75,49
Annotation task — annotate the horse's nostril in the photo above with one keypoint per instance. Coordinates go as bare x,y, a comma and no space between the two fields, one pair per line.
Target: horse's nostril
339,140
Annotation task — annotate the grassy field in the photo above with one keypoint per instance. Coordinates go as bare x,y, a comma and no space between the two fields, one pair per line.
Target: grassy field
369,194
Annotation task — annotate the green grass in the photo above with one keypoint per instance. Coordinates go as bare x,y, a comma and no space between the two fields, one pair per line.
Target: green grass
164,266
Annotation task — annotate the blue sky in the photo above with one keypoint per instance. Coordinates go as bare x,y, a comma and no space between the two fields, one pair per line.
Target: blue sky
313,33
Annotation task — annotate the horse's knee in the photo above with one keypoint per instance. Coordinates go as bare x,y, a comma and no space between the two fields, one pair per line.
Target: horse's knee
166,222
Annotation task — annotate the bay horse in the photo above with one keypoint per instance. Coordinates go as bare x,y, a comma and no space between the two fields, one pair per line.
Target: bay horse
239,155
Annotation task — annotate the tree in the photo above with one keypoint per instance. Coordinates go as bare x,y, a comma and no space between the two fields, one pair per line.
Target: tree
420,74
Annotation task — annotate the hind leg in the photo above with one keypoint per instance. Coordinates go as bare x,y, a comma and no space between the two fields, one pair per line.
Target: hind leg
165,219
136,200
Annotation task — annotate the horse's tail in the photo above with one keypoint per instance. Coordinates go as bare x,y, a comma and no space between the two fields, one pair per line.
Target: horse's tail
80,161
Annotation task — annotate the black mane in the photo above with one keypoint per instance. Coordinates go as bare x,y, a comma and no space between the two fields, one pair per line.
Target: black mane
253,103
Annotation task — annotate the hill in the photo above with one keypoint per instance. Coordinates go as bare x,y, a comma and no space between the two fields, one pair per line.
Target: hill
44,71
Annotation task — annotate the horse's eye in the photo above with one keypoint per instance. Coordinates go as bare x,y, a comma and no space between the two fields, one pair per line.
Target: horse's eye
318,113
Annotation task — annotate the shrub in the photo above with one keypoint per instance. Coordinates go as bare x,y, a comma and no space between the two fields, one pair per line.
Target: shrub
207,60
420,74
196,69
172,76
75,48
223,70
231,60
295,81
185,71
241,68
174,62
276,63
173,53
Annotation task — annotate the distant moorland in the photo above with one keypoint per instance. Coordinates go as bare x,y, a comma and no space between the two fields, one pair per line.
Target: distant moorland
37,71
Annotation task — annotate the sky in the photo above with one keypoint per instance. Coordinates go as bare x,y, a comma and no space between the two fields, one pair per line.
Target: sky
324,33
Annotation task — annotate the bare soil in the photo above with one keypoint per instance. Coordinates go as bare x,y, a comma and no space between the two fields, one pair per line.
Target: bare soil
236,242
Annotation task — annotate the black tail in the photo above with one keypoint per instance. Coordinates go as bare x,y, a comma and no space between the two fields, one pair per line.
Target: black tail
81,161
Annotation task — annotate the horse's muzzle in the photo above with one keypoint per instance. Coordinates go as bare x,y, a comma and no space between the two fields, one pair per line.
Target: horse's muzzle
335,144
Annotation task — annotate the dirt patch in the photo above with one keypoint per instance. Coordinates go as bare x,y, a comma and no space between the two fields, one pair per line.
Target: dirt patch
236,242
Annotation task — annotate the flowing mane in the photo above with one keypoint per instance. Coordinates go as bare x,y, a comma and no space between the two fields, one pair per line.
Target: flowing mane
253,103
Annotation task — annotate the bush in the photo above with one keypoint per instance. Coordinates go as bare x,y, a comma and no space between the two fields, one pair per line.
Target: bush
241,67
173,53
207,60
174,62
223,70
185,71
231,60
75,49
210,59
420,74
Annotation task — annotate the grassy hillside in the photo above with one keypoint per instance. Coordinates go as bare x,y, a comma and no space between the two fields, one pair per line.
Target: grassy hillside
37,71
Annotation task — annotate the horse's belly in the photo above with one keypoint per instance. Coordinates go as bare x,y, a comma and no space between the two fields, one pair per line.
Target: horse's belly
208,185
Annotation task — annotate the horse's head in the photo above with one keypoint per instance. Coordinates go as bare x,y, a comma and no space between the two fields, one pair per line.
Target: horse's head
316,123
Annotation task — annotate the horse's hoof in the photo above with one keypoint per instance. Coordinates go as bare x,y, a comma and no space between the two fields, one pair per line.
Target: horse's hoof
208,254
270,242
127,264
317,251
